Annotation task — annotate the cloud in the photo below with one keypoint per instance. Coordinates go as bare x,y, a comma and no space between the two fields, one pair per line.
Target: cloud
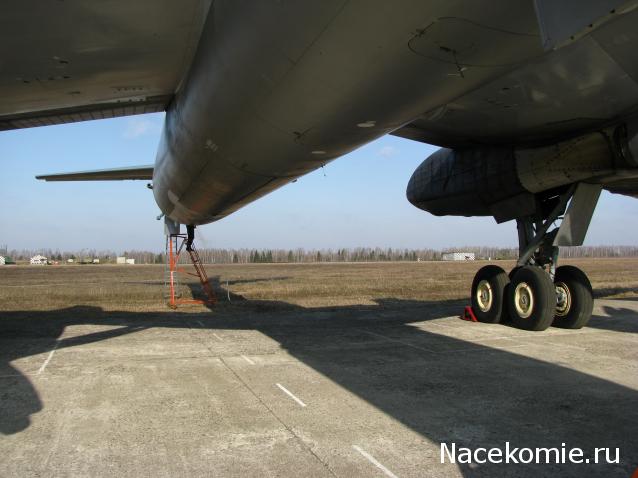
388,151
137,127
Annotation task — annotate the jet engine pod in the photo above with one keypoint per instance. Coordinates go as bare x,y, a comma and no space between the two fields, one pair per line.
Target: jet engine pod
507,183
464,182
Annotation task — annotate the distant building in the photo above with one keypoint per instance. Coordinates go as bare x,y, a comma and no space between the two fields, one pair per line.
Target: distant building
3,261
39,260
70,261
130,261
458,256
120,260
96,261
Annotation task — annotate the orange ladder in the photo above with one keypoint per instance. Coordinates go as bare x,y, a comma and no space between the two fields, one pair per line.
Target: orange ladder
201,273
174,246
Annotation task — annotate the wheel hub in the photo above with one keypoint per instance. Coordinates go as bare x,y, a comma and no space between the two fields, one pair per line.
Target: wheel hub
484,296
563,299
523,300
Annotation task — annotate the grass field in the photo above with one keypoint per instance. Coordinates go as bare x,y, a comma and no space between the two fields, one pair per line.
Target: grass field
140,287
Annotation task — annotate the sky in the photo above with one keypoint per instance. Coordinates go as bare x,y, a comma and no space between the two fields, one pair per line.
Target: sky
357,200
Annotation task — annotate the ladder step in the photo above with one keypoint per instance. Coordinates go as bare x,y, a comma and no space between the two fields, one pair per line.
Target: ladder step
201,272
171,275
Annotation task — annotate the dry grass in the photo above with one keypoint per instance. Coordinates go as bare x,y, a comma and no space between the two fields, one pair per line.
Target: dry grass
140,288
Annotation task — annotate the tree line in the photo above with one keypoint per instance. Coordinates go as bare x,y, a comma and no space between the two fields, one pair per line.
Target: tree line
300,255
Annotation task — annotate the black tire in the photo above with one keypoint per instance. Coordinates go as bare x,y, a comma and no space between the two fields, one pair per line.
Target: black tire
488,303
531,299
574,311
513,271
505,318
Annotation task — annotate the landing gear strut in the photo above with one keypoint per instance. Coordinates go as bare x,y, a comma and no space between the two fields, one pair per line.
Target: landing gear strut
537,293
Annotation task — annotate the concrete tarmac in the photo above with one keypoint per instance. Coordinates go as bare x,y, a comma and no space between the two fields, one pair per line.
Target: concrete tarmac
245,391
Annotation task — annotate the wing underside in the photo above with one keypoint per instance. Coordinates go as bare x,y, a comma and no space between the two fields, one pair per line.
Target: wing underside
89,112
575,87
63,62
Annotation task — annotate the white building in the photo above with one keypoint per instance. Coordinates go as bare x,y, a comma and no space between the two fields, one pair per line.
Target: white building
96,261
39,260
120,260
70,261
130,261
3,261
458,256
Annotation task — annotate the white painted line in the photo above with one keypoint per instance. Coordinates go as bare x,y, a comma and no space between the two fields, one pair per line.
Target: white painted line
372,460
203,326
48,359
283,389
248,360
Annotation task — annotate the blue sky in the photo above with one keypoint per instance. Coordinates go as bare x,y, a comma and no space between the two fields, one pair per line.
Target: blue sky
357,200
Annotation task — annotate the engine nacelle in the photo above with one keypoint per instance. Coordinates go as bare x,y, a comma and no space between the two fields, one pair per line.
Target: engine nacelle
464,182
503,182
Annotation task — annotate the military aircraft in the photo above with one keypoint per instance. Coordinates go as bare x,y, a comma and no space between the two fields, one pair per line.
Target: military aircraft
533,102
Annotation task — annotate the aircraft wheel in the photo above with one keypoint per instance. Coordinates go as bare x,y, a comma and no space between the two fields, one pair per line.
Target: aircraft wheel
505,318
531,299
574,298
488,294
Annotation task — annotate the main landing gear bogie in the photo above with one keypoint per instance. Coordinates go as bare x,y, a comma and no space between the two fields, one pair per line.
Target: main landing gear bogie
537,293
530,299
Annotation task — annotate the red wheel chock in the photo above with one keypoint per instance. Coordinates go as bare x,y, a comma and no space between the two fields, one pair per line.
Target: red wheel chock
468,314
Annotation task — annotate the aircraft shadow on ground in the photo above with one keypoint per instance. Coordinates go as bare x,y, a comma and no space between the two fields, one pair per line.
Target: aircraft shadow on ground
466,393
616,319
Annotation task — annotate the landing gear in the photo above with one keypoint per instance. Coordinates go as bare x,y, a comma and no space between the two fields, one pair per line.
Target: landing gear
537,294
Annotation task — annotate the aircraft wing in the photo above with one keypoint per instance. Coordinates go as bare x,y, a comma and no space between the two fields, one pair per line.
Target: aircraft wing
135,172
73,60
515,107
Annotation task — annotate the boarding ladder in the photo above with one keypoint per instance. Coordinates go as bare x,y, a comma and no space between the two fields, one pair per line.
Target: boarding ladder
174,247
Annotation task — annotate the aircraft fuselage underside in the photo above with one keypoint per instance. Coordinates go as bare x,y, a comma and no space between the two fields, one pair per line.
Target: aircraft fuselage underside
277,91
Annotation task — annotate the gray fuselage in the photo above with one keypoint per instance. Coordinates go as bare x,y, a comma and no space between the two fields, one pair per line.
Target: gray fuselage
275,92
